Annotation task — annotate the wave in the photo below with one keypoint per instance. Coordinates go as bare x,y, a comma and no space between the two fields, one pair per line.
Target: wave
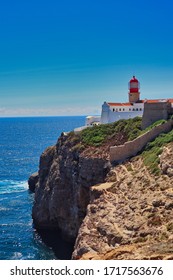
12,224
4,209
11,186
17,256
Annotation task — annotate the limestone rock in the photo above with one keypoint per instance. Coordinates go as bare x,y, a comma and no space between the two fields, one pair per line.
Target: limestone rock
129,218
166,163
33,181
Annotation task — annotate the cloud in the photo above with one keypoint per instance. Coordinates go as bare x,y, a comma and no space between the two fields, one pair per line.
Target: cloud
56,111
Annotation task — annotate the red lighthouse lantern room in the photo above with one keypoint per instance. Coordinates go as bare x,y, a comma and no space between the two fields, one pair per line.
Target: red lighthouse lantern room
134,94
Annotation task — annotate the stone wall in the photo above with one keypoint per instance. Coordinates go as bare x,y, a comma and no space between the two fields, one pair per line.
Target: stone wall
131,148
154,112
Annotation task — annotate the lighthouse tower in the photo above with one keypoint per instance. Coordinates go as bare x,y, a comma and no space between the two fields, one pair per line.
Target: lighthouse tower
134,94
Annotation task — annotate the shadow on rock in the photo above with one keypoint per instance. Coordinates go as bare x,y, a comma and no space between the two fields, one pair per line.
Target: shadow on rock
61,248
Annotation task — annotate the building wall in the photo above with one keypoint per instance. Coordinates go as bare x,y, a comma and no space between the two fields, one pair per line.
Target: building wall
114,113
115,116
154,112
105,113
131,148
91,119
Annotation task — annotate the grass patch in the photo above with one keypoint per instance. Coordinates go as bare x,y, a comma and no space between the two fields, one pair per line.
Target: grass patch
154,149
159,122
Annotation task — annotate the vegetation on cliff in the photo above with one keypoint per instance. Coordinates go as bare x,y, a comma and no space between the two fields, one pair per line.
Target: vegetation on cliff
96,136
96,141
154,149
123,130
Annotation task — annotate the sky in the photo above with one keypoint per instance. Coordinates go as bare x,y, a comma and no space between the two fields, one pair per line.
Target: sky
67,57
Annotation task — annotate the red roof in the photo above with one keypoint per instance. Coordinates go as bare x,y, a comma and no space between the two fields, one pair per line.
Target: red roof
158,100
170,100
119,104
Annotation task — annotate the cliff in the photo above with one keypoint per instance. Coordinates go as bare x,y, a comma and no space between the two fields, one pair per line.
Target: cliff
62,192
111,212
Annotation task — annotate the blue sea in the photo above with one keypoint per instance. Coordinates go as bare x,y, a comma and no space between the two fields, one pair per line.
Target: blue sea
22,140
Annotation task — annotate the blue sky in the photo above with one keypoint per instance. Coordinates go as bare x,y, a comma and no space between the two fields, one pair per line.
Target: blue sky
68,57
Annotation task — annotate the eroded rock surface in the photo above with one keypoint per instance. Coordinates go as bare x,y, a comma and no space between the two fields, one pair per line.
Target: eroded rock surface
33,181
166,160
62,195
130,219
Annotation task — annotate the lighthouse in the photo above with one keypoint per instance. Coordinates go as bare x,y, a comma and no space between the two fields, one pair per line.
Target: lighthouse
134,94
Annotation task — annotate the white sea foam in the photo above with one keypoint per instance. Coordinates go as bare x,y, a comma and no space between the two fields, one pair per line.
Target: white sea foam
4,209
10,186
17,256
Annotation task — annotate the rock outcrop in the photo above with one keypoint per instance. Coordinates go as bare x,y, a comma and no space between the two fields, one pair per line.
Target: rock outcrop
166,160
33,181
62,194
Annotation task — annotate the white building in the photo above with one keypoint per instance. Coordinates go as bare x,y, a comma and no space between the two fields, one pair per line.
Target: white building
112,112
92,120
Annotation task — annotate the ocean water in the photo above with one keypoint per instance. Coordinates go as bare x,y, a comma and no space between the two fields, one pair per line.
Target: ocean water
22,140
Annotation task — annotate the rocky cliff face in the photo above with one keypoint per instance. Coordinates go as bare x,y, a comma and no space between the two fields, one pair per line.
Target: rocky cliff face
62,192
130,217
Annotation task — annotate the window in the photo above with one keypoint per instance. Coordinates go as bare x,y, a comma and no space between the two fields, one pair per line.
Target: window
113,110
136,109
120,109
140,109
129,109
123,109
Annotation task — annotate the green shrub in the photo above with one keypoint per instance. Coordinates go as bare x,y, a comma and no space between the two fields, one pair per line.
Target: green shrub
154,149
153,125
97,135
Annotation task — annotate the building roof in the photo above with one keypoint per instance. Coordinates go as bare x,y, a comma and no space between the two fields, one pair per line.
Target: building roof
170,100
158,100
124,104
119,104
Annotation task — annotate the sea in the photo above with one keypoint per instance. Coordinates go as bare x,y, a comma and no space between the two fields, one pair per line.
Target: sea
22,140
